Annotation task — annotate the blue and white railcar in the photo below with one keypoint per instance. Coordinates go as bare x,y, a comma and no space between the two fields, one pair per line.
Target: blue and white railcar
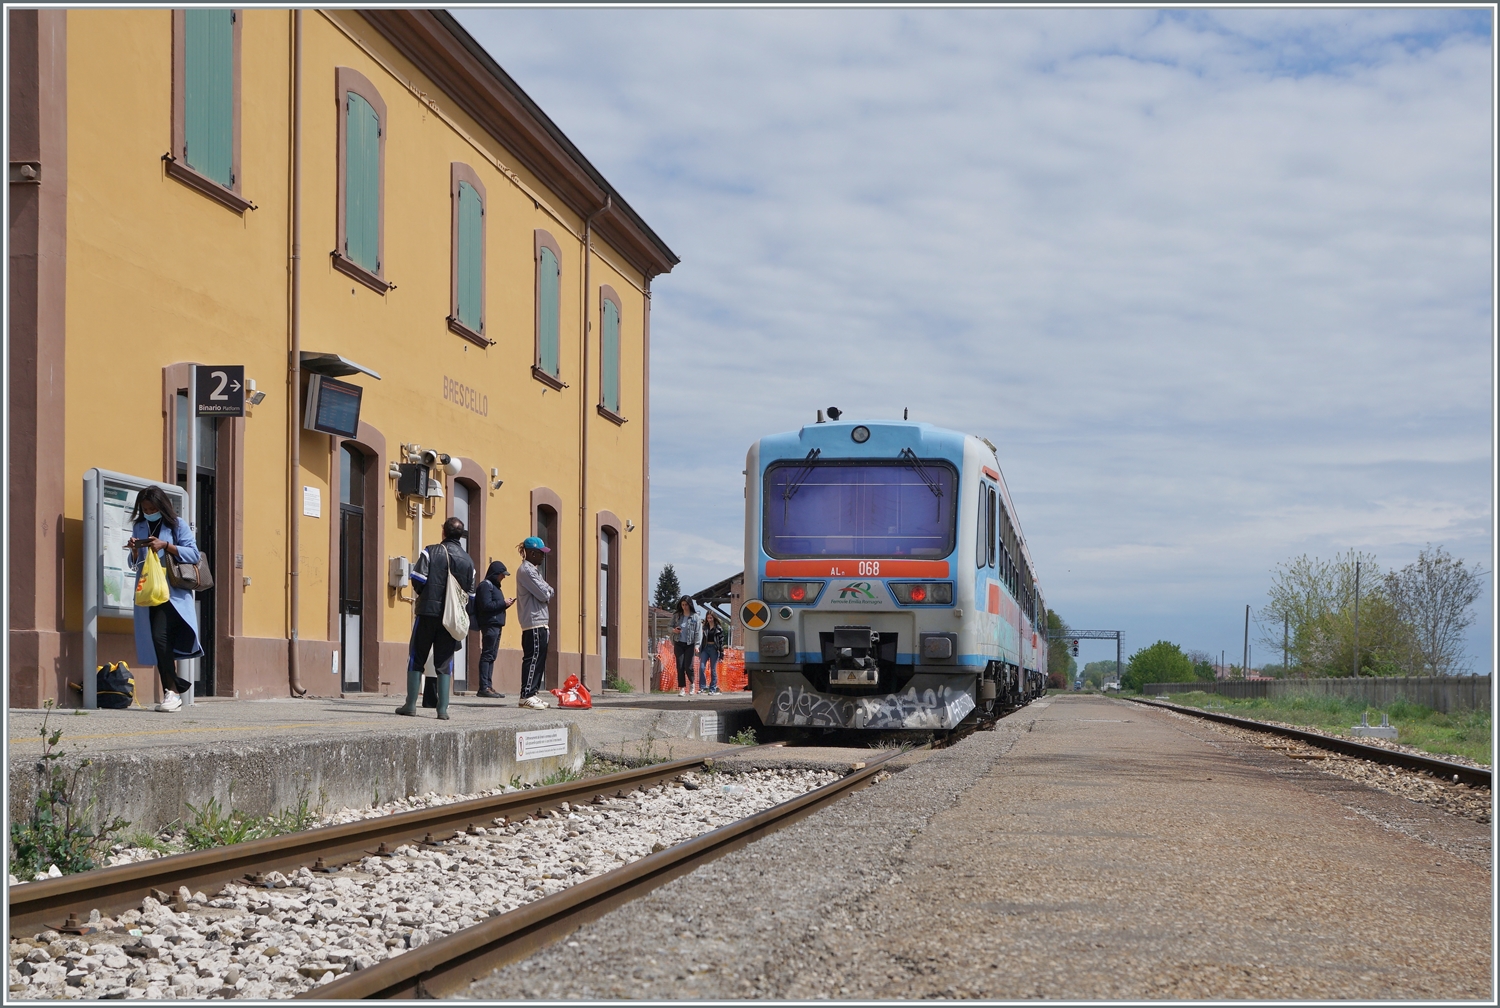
888,584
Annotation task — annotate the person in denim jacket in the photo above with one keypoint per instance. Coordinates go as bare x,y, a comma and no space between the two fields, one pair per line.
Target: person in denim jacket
687,634
168,633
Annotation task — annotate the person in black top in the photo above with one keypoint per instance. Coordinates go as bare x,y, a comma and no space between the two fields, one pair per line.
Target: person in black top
489,619
430,576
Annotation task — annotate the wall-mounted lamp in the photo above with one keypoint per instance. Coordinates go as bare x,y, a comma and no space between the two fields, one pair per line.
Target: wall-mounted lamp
629,525
254,396
495,481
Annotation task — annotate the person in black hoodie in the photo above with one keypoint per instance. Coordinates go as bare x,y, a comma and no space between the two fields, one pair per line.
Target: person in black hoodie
489,619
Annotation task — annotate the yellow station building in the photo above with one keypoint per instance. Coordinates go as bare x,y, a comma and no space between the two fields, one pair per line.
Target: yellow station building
352,200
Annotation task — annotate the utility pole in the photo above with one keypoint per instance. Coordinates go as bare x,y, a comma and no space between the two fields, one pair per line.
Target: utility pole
1221,663
1284,624
1356,619
1245,668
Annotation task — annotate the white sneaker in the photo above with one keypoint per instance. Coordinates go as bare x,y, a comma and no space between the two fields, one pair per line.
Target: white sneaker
535,703
170,703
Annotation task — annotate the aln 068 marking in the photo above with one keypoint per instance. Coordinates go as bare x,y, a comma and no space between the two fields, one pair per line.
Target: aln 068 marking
891,586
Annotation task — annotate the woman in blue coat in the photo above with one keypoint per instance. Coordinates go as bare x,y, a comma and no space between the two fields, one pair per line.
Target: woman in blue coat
168,633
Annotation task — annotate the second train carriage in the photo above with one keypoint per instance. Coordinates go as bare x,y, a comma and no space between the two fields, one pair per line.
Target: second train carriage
888,584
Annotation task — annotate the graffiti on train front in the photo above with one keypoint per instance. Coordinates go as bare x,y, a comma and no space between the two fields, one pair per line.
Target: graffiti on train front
934,709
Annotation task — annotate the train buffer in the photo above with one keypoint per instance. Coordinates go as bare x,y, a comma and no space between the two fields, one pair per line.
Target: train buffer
1366,730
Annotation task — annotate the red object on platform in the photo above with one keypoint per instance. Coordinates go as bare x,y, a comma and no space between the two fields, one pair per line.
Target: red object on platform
573,694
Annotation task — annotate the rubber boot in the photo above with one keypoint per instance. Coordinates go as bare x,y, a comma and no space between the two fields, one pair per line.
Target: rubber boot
413,684
444,694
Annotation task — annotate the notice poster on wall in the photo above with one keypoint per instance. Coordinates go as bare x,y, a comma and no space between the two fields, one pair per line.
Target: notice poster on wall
117,580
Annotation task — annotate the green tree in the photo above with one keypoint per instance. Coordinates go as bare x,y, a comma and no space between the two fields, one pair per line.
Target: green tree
1097,673
1435,596
1162,662
1312,607
668,590
1060,665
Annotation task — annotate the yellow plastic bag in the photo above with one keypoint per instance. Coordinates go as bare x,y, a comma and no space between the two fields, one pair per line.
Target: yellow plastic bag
151,584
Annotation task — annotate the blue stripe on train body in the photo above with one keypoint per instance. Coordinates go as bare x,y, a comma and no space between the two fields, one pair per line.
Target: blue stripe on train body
832,524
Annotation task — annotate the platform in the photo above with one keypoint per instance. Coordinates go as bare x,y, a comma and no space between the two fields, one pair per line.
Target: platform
264,756
1085,849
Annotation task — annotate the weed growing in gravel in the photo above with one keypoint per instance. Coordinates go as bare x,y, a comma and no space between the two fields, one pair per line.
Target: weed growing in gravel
745,736
58,832
1461,733
213,826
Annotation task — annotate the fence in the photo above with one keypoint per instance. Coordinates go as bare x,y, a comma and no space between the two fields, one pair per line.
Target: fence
1442,693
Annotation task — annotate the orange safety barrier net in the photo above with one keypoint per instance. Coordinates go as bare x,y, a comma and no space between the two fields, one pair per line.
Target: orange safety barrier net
732,677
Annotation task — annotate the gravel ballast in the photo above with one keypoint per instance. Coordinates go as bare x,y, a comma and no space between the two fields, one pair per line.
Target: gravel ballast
307,928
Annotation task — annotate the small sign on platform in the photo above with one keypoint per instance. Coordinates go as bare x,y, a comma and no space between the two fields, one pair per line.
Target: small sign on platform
537,744
708,726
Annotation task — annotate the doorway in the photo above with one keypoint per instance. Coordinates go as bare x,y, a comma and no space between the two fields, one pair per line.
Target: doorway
352,472
204,522
609,607
546,531
461,510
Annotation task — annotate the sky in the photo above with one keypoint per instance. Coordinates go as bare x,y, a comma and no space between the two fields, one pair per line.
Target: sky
1218,284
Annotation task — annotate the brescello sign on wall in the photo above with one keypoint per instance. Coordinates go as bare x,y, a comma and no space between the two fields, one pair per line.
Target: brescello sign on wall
469,398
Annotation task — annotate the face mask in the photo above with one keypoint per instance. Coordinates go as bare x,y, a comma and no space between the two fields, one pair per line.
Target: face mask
151,516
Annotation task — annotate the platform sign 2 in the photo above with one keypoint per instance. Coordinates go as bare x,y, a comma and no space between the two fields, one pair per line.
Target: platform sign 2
221,390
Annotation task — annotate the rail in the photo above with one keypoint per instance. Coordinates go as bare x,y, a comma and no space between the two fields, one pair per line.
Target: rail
450,964
46,904
1476,776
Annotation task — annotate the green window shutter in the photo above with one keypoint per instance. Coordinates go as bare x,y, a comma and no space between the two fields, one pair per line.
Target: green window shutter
470,257
610,341
362,184
208,94
547,286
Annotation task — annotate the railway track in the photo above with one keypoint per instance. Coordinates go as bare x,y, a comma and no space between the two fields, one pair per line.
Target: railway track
447,964
1476,776
450,964
48,903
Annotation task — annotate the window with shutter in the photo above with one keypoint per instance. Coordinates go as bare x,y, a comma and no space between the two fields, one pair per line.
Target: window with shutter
470,257
549,280
208,94
362,184
610,357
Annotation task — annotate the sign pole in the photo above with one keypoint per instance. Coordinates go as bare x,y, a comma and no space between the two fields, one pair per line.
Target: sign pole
91,503
192,488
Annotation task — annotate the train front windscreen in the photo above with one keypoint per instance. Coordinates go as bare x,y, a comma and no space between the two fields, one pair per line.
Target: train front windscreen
860,510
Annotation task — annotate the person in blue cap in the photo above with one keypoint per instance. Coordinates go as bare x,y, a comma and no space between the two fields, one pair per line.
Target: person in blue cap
533,594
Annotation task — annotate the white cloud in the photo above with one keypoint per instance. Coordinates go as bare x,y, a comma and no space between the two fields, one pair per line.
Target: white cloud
1217,283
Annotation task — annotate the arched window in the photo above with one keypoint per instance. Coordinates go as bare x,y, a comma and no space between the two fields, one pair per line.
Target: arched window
466,313
609,354
360,252
206,104
548,367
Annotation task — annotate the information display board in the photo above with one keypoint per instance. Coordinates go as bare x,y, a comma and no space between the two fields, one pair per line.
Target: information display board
109,501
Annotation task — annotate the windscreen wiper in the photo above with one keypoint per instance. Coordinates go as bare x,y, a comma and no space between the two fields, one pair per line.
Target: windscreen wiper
794,483
932,484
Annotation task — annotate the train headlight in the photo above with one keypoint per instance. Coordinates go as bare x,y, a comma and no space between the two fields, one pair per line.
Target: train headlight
922,592
860,434
790,591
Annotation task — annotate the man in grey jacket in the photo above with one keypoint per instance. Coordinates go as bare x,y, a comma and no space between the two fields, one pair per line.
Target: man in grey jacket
533,594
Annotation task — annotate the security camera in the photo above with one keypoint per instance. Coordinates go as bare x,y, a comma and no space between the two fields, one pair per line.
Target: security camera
450,465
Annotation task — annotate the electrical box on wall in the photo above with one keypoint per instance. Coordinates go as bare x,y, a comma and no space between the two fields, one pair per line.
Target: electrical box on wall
414,480
400,572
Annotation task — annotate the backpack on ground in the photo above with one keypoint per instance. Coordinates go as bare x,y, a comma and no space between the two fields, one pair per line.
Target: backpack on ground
116,686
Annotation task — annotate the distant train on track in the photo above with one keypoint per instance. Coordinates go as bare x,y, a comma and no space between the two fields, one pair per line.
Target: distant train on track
888,583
